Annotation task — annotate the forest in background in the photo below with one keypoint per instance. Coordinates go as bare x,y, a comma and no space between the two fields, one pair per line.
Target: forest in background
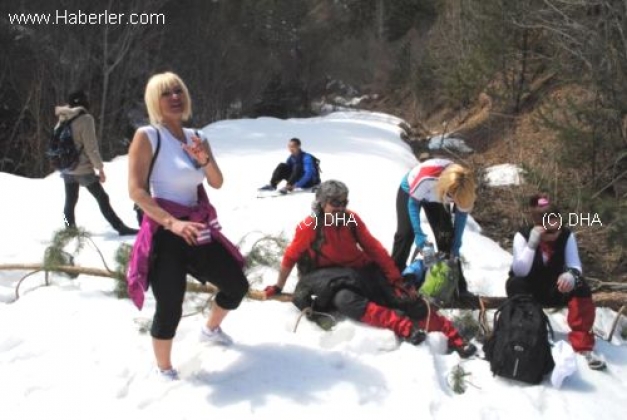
539,83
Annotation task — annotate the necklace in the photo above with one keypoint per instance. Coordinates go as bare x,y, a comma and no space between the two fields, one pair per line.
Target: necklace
178,136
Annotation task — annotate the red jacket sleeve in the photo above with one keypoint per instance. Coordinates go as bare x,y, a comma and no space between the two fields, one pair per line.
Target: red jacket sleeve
373,248
303,238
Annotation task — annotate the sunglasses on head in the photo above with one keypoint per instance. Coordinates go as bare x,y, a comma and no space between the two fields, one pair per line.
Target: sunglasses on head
169,92
336,202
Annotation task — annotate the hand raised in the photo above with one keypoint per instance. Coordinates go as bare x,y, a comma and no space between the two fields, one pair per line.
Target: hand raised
199,150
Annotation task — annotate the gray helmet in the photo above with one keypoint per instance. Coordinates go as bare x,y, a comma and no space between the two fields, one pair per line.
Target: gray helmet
329,190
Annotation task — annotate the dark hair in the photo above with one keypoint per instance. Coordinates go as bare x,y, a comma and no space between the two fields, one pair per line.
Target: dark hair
533,200
295,140
78,98
540,206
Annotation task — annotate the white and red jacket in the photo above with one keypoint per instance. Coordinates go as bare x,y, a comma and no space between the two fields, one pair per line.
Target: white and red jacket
420,183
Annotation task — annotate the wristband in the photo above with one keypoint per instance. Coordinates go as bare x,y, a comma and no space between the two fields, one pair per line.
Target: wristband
576,274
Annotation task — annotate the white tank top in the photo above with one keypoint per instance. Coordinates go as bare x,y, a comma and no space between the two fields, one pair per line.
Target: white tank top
174,176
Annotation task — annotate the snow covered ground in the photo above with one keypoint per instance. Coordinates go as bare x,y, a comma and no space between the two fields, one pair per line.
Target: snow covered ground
73,351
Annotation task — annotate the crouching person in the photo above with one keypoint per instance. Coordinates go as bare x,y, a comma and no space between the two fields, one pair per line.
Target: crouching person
348,270
546,265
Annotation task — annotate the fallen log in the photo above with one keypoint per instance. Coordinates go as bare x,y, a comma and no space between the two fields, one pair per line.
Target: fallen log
67,269
613,299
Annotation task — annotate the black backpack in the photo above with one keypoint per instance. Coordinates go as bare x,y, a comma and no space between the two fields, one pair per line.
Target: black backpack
519,347
62,150
316,162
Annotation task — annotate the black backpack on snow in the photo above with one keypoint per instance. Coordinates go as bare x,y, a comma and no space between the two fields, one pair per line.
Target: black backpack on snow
62,150
519,347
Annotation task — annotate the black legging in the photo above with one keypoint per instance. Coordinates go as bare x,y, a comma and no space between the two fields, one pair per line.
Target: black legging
95,188
172,259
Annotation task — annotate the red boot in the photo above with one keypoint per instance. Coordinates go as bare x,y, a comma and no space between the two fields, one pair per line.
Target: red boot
436,322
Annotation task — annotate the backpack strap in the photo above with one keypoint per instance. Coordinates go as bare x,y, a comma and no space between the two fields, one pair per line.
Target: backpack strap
154,157
81,112
68,122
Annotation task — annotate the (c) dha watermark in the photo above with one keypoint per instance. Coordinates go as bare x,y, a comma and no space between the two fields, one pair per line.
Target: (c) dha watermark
557,220
330,219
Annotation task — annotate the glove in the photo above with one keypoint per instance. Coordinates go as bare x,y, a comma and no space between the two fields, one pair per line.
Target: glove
416,268
566,282
420,239
534,237
272,291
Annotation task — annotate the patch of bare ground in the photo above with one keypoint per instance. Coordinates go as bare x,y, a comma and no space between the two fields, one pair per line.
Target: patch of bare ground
499,137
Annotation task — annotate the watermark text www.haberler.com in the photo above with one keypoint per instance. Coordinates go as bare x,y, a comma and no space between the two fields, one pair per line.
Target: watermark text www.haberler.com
79,17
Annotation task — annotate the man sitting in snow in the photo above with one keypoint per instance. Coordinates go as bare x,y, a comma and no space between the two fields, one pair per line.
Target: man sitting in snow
546,265
343,267
300,170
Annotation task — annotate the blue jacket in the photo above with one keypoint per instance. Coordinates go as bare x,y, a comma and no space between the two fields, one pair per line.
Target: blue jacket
305,164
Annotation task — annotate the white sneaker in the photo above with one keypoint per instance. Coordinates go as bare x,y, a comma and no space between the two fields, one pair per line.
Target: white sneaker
215,336
595,362
168,374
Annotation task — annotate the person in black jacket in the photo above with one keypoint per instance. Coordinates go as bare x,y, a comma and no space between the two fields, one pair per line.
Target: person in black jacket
300,170
546,265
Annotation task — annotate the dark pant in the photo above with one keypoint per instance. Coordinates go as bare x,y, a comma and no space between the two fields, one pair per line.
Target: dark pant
581,311
439,218
172,259
72,185
283,172
404,236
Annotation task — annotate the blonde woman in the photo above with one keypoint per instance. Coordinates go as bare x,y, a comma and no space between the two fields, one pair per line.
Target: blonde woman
180,233
435,185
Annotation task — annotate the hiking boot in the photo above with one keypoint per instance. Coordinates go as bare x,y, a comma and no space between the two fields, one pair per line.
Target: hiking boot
125,230
215,336
595,362
416,337
465,350
283,191
168,375
268,187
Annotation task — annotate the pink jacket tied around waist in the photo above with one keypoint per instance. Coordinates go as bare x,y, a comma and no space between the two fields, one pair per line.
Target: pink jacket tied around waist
203,212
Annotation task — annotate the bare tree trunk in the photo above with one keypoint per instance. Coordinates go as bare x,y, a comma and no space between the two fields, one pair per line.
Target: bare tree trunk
380,19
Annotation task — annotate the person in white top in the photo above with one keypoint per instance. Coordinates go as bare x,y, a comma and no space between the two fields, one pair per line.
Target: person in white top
179,231
546,265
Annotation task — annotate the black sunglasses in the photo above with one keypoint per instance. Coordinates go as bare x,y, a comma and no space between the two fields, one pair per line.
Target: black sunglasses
338,203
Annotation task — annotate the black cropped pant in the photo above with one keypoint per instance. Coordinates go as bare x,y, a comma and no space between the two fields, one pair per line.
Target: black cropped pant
171,260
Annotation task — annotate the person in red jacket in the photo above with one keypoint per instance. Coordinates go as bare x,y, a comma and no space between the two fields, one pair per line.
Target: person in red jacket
348,270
